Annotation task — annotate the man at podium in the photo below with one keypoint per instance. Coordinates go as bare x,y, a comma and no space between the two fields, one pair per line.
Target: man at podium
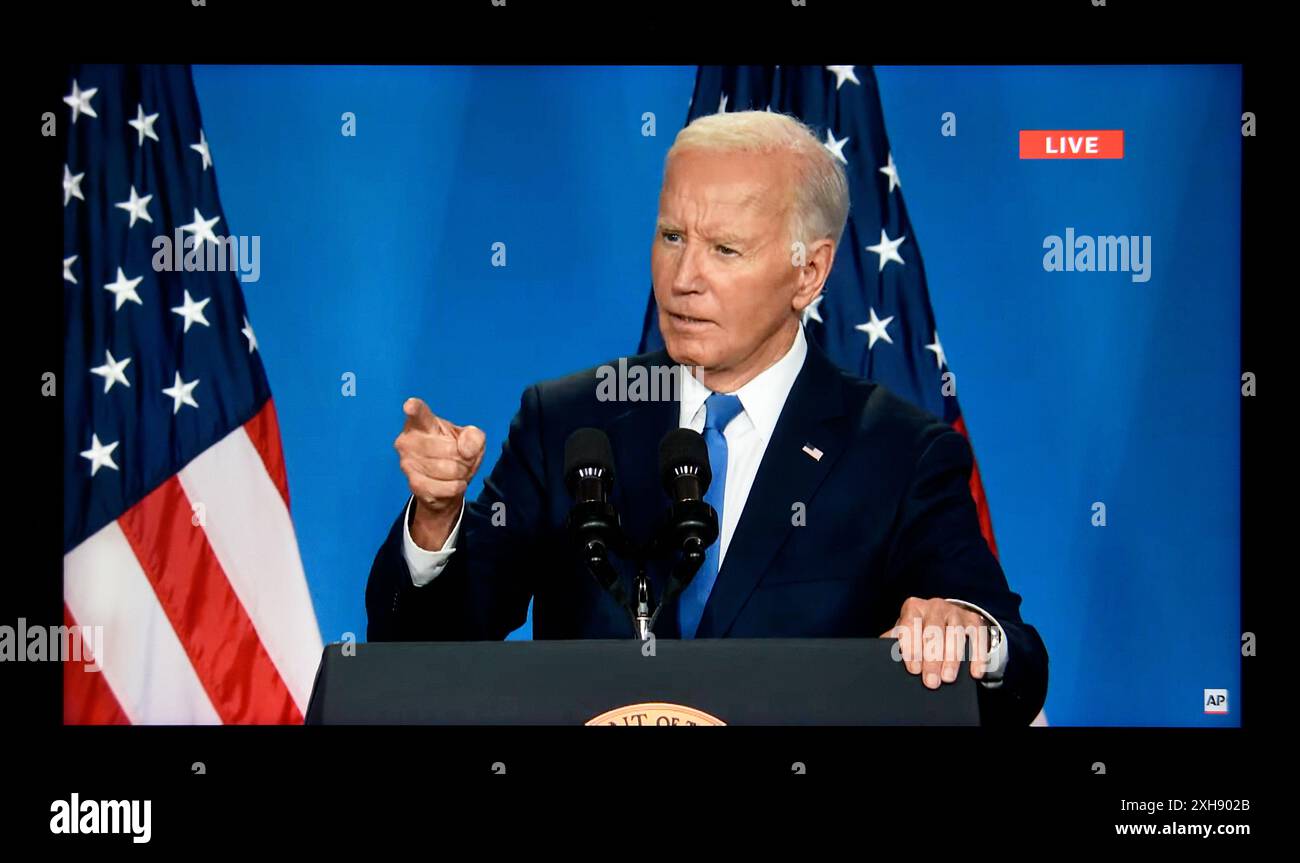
843,511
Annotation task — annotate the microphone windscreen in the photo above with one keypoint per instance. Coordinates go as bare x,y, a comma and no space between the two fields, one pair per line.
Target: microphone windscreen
587,448
683,447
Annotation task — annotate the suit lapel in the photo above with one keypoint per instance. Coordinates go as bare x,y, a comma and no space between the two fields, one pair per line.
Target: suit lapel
813,416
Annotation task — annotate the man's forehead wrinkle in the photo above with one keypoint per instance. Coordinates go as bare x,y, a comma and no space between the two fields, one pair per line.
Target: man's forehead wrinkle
711,213
731,194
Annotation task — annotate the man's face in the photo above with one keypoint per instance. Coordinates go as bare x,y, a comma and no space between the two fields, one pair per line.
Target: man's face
721,260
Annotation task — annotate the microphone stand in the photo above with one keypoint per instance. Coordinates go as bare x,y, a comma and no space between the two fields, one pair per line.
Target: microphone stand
643,619
606,576
684,569
595,554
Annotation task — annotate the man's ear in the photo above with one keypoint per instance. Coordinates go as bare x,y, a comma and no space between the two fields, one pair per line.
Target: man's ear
817,261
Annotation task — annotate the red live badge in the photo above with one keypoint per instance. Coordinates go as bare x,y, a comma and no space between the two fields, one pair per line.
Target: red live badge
1072,144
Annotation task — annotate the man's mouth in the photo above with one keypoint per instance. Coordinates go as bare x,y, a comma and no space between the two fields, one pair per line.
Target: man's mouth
687,320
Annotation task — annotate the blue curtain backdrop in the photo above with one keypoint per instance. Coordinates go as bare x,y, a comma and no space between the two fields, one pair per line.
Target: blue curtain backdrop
1077,387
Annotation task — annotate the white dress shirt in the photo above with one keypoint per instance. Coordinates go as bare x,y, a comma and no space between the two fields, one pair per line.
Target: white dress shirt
761,401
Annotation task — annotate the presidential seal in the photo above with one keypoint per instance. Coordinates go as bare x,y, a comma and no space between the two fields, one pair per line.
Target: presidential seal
655,713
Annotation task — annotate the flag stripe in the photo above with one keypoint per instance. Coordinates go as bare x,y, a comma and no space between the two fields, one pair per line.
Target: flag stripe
143,661
977,491
250,532
209,619
264,431
87,697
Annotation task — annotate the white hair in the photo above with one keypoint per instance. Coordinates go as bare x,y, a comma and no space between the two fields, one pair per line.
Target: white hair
821,190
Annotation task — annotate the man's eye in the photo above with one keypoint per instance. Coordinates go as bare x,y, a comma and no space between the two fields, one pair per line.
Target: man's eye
670,236
727,250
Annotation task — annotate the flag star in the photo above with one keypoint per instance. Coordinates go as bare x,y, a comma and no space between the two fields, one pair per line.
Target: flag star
891,171
810,311
248,333
137,207
192,311
79,100
111,371
722,105
124,289
181,393
67,269
938,351
99,455
876,329
887,249
202,148
842,74
143,124
202,228
836,147
71,185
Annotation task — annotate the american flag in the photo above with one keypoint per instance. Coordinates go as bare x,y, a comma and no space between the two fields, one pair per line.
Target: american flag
177,534
873,317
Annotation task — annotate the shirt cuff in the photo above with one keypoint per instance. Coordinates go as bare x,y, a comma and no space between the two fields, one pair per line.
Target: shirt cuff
425,565
997,662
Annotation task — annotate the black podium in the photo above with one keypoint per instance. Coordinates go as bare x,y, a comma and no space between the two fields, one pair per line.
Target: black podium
722,681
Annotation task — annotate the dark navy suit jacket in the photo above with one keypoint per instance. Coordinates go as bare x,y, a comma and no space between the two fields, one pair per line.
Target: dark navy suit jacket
887,515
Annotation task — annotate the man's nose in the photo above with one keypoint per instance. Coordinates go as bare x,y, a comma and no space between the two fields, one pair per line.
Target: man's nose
689,278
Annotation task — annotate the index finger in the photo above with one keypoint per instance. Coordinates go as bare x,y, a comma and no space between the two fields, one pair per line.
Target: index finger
419,416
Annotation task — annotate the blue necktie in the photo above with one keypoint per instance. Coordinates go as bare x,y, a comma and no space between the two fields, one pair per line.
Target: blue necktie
720,410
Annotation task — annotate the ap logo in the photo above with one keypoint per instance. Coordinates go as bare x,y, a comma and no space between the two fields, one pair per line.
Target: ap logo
1216,701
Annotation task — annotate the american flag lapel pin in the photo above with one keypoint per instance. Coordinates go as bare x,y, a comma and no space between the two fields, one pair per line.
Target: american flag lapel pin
813,451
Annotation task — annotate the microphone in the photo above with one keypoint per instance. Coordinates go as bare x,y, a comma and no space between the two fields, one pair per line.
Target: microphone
684,464
692,524
593,523
589,465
